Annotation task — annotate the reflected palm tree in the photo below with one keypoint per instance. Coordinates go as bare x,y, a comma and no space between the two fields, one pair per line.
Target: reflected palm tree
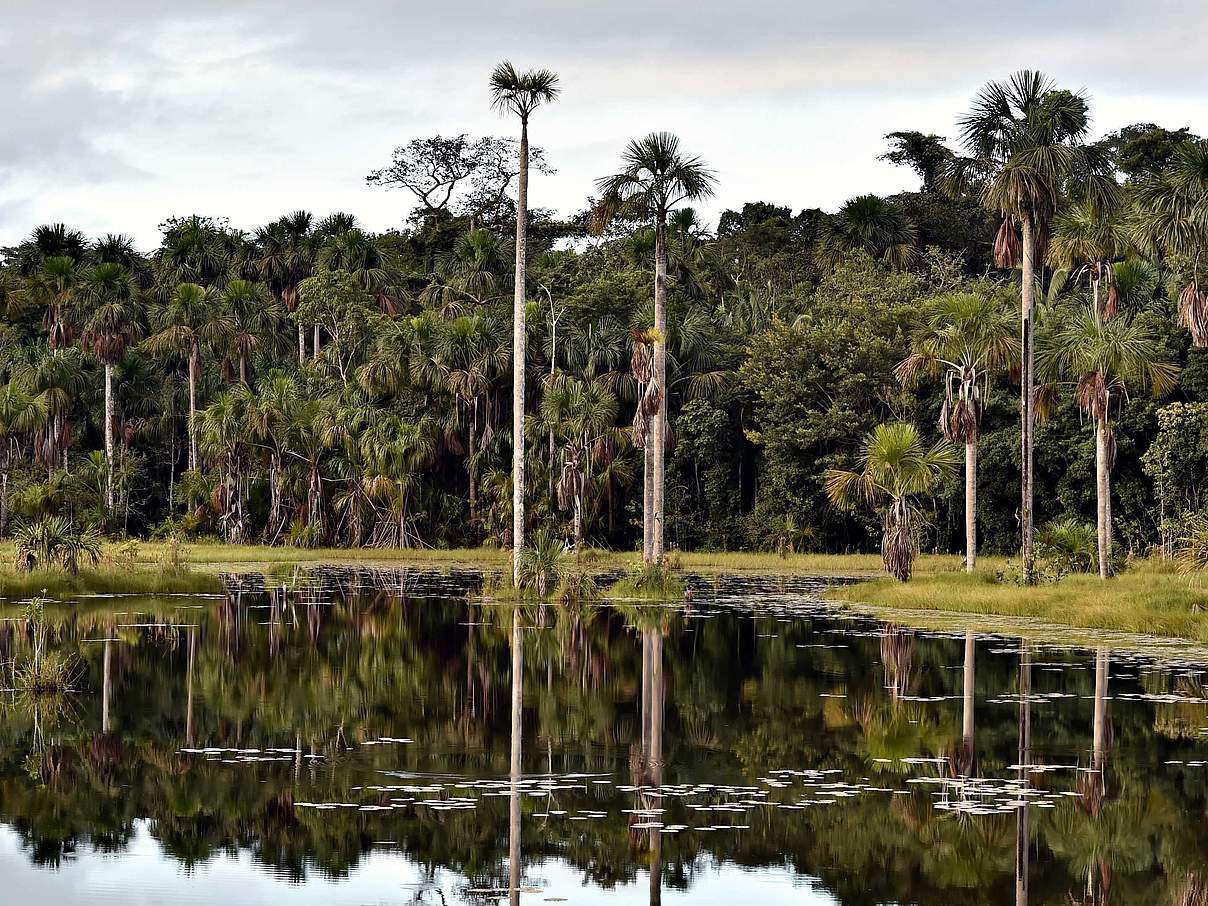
897,656
961,759
105,688
1025,755
517,748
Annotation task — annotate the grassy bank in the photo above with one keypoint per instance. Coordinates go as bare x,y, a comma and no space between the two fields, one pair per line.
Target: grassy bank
213,557
1150,598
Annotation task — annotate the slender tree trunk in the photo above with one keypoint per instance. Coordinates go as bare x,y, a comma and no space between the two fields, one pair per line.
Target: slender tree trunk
189,688
659,424
471,468
301,344
192,408
968,696
4,504
517,750
109,438
1097,305
580,481
647,500
1026,399
105,687
1099,744
1103,495
316,342
971,504
1025,755
655,762
518,354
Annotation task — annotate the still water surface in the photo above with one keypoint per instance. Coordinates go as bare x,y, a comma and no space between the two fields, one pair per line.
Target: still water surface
348,739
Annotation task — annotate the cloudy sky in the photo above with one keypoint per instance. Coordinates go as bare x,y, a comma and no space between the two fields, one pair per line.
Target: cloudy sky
115,114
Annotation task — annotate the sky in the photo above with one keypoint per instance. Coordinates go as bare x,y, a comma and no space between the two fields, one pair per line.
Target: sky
117,114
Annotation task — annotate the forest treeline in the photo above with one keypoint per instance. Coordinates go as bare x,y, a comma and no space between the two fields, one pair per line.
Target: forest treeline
312,382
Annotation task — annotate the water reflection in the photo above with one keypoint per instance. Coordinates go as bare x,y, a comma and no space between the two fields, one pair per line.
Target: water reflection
362,738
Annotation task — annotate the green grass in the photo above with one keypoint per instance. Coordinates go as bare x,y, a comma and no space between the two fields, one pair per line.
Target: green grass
217,557
1150,598
106,579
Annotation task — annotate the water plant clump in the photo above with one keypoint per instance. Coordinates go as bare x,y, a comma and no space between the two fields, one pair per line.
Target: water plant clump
651,581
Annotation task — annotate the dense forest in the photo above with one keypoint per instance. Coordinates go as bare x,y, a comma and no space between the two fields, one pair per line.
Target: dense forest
309,382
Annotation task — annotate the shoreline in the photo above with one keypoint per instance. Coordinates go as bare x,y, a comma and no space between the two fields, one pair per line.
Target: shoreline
1149,601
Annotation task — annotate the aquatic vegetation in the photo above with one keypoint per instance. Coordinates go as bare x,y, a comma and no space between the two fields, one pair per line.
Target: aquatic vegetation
653,581
42,671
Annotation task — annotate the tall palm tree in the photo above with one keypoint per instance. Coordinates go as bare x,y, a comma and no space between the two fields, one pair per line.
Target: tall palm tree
112,320
21,413
582,415
472,272
871,224
1171,218
520,93
222,433
191,323
256,319
54,286
966,337
1091,238
1025,149
895,468
655,177
1103,360
287,251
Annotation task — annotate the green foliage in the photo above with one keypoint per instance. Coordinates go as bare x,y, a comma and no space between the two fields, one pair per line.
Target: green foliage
1191,551
543,563
55,541
649,582
1070,544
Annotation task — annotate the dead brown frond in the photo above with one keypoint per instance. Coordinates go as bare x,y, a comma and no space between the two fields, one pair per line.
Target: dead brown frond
1007,251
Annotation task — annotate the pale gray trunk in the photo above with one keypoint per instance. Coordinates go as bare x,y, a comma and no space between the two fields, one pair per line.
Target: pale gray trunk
109,437
471,467
580,481
659,424
193,369
316,342
967,688
971,505
517,748
105,687
189,687
647,500
1103,495
518,354
1026,398
1099,745
654,760
301,344
4,505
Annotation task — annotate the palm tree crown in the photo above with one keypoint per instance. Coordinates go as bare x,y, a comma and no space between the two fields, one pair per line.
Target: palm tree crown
655,177
522,92
1024,144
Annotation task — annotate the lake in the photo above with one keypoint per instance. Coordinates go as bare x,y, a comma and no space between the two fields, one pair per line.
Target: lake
349,737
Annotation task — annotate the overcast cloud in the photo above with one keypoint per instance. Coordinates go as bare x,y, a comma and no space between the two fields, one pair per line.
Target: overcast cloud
117,114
